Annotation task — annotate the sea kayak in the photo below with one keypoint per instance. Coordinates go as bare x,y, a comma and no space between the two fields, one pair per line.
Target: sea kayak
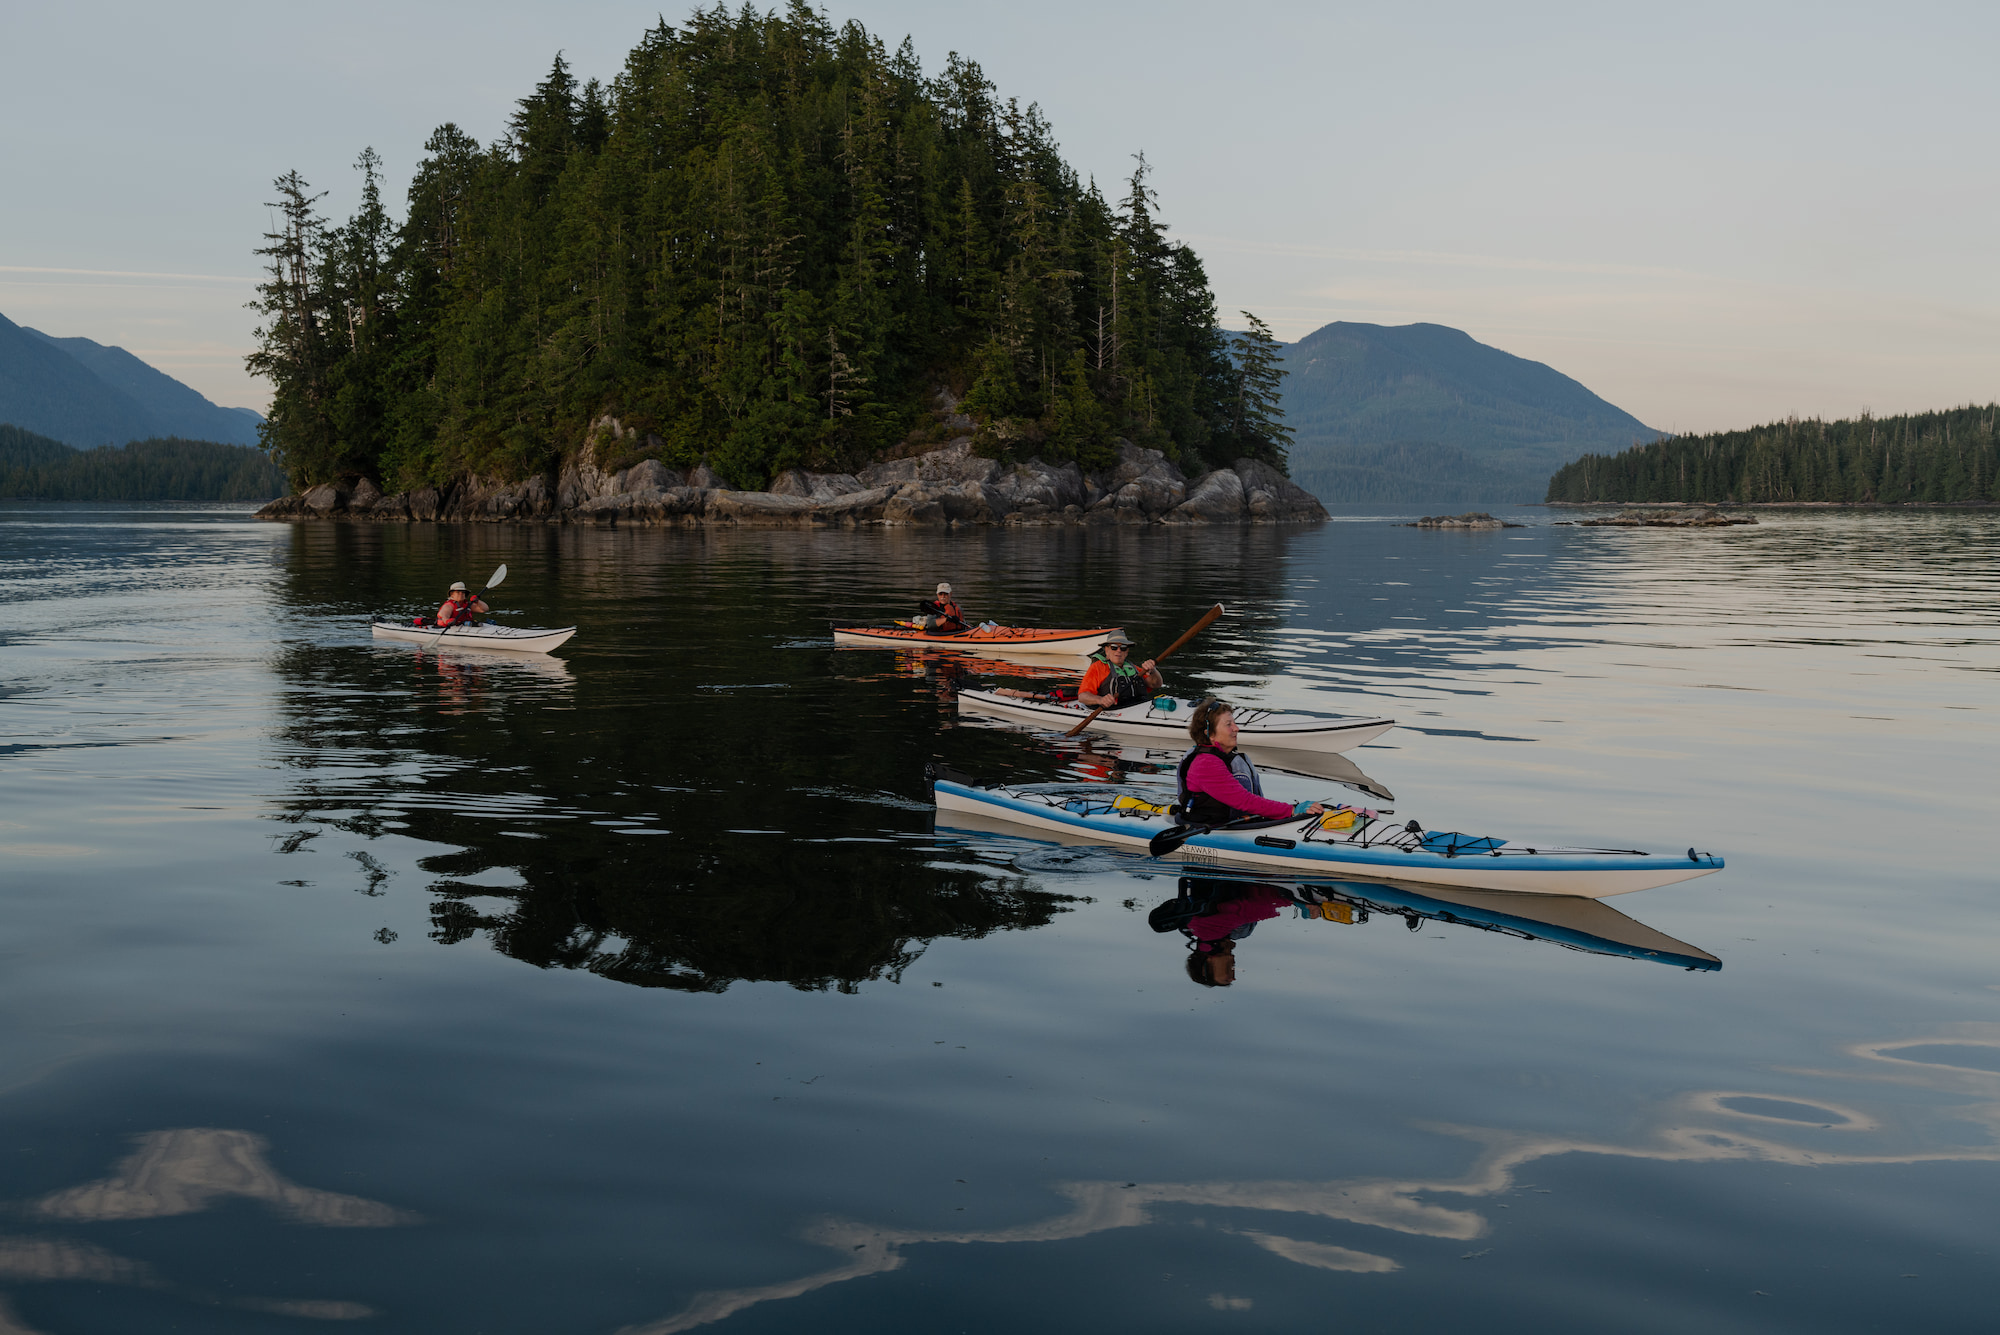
1012,639
1374,847
1164,720
520,639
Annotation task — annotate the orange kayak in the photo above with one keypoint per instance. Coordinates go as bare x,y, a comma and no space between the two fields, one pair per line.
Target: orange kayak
1014,639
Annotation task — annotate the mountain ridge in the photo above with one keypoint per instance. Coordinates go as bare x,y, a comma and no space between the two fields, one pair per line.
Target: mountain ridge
1425,412
84,393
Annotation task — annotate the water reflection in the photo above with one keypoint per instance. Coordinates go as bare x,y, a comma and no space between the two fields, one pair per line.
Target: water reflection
181,1172
1699,1126
703,791
1215,914
188,1170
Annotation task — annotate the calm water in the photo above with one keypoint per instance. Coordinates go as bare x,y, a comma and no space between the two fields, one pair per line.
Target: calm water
633,990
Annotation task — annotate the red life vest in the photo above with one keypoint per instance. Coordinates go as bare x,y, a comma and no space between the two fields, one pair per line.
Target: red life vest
453,612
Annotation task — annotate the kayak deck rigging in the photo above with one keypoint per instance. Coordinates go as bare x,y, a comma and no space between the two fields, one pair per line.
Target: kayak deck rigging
1371,847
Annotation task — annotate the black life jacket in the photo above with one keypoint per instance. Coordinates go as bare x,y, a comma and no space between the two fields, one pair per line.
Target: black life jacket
1126,685
1200,808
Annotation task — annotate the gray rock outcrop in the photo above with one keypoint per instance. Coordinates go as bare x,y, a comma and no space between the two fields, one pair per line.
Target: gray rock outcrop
950,485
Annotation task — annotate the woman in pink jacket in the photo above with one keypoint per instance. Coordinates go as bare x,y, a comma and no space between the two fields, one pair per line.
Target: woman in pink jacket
1217,783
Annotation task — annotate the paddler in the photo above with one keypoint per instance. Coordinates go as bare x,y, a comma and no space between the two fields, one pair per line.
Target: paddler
940,613
460,607
1111,682
1218,784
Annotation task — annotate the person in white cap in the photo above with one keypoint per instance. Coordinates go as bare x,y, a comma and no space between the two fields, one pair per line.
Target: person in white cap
460,607
940,613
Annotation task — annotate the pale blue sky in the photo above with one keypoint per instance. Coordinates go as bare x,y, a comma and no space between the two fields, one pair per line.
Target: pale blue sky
1711,214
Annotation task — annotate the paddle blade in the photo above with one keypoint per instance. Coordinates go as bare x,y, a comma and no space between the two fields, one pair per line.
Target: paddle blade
1171,838
498,575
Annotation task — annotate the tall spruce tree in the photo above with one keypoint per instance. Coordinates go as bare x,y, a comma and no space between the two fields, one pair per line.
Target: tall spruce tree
1260,405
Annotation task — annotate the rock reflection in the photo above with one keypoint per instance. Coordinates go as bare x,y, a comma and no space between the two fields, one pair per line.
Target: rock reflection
1696,1127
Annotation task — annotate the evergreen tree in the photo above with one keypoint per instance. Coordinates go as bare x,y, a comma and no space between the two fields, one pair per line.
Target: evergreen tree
292,341
1260,404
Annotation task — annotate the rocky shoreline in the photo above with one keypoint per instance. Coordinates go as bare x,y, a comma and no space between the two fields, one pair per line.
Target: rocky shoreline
946,487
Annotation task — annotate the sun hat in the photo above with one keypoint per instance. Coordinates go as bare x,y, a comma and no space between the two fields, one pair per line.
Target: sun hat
459,587
1117,637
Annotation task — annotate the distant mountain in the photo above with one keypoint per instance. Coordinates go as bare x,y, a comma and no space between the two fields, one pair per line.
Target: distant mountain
1423,413
84,393
175,409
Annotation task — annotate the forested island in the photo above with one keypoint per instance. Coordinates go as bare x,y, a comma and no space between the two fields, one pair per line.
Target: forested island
39,468
768,247
1936,458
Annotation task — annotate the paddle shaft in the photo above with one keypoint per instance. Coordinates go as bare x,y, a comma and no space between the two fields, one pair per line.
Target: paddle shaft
1208,619
491,584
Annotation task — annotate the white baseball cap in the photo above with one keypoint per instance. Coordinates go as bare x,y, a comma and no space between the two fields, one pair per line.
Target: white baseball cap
944,588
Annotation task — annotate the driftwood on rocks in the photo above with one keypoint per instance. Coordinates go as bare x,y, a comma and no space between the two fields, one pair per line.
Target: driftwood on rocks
945,487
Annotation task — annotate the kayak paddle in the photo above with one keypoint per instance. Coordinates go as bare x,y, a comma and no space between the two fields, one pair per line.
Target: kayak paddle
1208,619
491,584
1167,840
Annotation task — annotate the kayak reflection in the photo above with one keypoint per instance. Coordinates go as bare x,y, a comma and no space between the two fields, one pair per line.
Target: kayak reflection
1214,914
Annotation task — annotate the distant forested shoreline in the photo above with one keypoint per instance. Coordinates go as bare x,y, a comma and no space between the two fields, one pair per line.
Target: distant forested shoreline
1935,458
768,243
38,468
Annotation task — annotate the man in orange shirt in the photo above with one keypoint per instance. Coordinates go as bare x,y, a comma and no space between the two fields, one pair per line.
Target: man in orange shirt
1111,682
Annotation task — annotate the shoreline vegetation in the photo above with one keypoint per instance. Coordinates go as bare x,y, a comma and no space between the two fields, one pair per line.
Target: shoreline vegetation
770,249
1936,458
39,468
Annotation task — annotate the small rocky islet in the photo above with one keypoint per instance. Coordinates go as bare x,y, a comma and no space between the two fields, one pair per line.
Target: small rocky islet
1706,517
1470,519
943,487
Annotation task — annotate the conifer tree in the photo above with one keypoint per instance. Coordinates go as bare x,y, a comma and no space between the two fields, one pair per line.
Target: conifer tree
1260,405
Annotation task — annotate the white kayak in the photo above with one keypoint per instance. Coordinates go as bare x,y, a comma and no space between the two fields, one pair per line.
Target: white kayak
520,639
1163,721
1374,848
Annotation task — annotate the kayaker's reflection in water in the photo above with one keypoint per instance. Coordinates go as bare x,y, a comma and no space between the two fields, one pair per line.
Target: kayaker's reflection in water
1214,915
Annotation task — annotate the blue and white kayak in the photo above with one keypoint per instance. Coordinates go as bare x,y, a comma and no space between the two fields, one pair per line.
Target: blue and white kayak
1163,721
1374,848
